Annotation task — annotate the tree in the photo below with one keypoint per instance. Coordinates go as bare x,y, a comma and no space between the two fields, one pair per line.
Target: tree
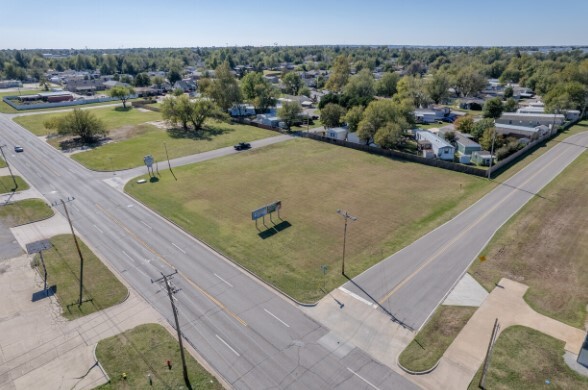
123,93
412,88
480,127
158,81
511,105
450,137
173,76
390,136
259,91
142,80
353,117
289,112
181,110
437,87
469,82
224,89
331,115
570,95
361,85
293,83
487,138
379,114
339,74
386,86
493,108
508,92
464,124
81,123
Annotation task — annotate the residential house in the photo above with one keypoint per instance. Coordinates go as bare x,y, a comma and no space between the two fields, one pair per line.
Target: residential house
442,149
465,147
431,115
471,104
339,133
186,85
523,131
531,120
239,110
481,157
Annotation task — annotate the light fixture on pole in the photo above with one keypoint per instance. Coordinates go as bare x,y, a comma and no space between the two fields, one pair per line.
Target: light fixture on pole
347,217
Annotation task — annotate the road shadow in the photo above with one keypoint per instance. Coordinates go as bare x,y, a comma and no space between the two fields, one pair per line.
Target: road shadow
37,296
388,312
273,230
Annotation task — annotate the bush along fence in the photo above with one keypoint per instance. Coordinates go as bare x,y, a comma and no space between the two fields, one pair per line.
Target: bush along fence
146,104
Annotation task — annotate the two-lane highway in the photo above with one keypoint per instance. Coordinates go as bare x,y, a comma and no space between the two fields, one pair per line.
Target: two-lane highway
249,334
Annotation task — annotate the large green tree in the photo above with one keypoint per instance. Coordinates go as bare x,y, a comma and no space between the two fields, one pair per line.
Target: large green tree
123,93
224,89
290,112
81,123
386,86
293,83
259,91
181,110
469,81
331,115
437,87
493,108
380,115
412,89
361,85
339,74
353,117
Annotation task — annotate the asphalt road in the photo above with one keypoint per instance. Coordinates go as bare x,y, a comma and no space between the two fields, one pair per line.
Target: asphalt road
410,284
252,336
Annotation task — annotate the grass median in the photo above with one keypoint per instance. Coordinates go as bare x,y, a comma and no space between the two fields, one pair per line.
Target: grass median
141,353
25,211
524,358
7,184
396,202
63,268
545,246
435,337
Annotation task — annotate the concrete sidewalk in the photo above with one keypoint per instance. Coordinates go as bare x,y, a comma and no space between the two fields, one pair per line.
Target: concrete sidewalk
466,354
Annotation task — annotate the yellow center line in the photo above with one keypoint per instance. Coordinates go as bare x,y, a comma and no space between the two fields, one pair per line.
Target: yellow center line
459,236
183,275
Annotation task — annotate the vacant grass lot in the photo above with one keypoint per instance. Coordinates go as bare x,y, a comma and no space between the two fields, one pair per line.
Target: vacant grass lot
24,211
132,138
113,118
545,245
144,350
63,269
435,337
524,358
7,184
395,201
150,140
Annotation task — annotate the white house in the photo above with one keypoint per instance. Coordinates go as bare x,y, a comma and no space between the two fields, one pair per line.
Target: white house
530,120
523,131
443,150
242,110
339,133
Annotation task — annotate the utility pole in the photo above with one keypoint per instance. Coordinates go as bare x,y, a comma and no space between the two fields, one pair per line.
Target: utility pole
8,165
79,251
170,292
492,150
347,217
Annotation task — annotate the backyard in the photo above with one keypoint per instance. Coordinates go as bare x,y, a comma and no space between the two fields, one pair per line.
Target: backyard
395,201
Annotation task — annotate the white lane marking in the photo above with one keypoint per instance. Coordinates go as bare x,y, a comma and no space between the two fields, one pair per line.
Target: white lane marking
228,346
128,257
143,222
229,284
354,295
97,228
273,315
180,249
363,379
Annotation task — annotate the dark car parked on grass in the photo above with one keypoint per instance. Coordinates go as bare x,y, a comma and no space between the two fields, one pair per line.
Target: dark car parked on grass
242,146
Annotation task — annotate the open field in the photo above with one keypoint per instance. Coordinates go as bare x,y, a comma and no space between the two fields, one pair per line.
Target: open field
396,203
433,339
524,358
63,269
113,118
25,211
545,245
132,138
149,139
7,184
143,351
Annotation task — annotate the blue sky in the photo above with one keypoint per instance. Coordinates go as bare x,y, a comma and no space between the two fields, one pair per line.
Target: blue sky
31,24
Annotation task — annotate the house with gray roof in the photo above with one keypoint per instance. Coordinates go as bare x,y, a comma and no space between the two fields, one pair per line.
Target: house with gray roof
530,119
442,149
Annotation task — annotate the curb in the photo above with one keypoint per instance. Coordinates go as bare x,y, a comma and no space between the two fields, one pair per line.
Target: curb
100,365
427,371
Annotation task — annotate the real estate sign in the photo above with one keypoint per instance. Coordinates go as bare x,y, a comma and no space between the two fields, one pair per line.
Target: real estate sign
267,209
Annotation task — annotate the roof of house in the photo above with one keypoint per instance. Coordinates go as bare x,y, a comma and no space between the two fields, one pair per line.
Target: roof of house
521,128
465,141
438,142
515,115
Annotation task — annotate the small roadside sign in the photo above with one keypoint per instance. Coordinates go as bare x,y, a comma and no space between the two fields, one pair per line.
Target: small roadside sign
38,246
148,160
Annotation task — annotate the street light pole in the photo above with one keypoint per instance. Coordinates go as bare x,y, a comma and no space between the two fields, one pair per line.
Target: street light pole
347,217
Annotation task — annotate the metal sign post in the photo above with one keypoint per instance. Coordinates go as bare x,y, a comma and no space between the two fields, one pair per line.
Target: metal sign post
39,247
148,160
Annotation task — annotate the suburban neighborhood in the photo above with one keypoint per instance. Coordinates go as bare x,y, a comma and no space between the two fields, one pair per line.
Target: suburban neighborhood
292,215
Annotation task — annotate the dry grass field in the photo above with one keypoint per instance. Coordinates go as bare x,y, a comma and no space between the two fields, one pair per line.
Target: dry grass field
396,202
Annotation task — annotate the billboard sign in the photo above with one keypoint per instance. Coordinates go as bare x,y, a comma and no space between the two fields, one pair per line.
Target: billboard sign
274,206
267,209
